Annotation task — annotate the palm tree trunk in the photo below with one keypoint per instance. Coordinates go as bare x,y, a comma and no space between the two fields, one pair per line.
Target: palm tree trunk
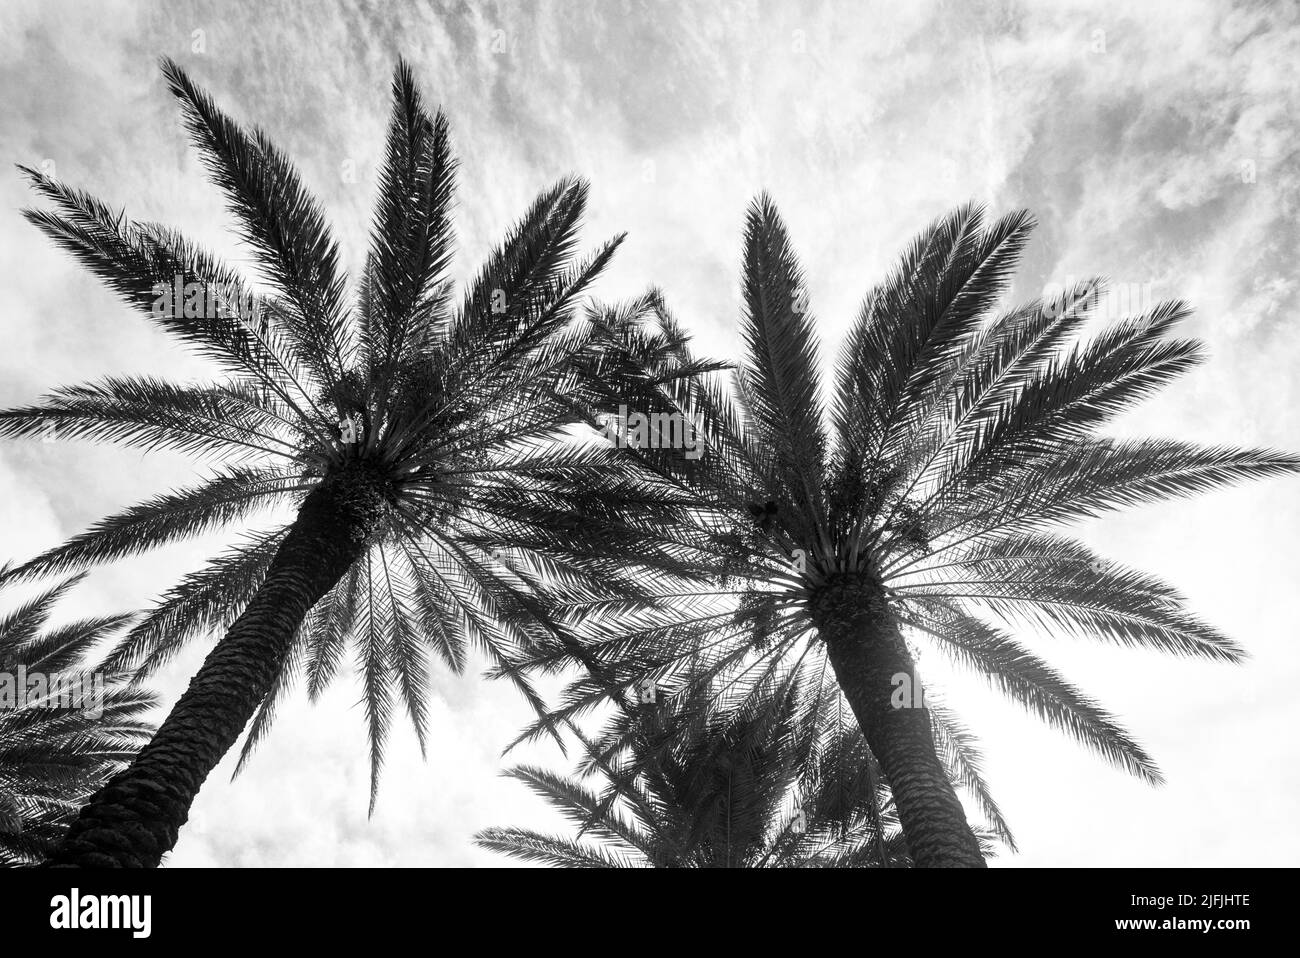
136,817
868,654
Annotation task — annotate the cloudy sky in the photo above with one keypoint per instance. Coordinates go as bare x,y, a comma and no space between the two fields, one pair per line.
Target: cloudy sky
1155,142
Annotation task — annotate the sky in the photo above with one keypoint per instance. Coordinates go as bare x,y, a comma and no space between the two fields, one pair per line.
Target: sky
1155,142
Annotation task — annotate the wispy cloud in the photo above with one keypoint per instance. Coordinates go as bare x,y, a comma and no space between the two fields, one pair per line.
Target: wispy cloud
1162,157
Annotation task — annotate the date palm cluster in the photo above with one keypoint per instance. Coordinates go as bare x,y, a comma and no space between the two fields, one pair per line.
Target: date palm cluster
414,475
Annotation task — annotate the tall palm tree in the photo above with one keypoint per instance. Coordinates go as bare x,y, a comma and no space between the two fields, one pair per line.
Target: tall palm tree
64,737
923,503
406,438
767,784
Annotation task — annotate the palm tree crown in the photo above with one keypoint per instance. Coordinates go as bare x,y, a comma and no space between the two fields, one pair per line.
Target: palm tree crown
922,505
767,784
412,432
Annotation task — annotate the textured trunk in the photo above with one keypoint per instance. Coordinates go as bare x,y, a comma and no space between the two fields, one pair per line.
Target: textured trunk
879,679
136,817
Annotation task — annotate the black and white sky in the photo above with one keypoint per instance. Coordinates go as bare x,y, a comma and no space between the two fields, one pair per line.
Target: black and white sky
1155,142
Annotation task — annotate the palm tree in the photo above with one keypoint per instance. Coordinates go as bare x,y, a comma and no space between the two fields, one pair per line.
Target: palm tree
925,505
766,784
60,739
410,436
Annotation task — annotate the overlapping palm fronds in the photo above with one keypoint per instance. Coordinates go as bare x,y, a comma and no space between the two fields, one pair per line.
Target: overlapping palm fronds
925,499
774,775
422,434
65,726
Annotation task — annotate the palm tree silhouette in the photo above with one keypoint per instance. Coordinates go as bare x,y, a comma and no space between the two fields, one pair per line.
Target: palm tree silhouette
55,750
764,785
411,435
925,505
